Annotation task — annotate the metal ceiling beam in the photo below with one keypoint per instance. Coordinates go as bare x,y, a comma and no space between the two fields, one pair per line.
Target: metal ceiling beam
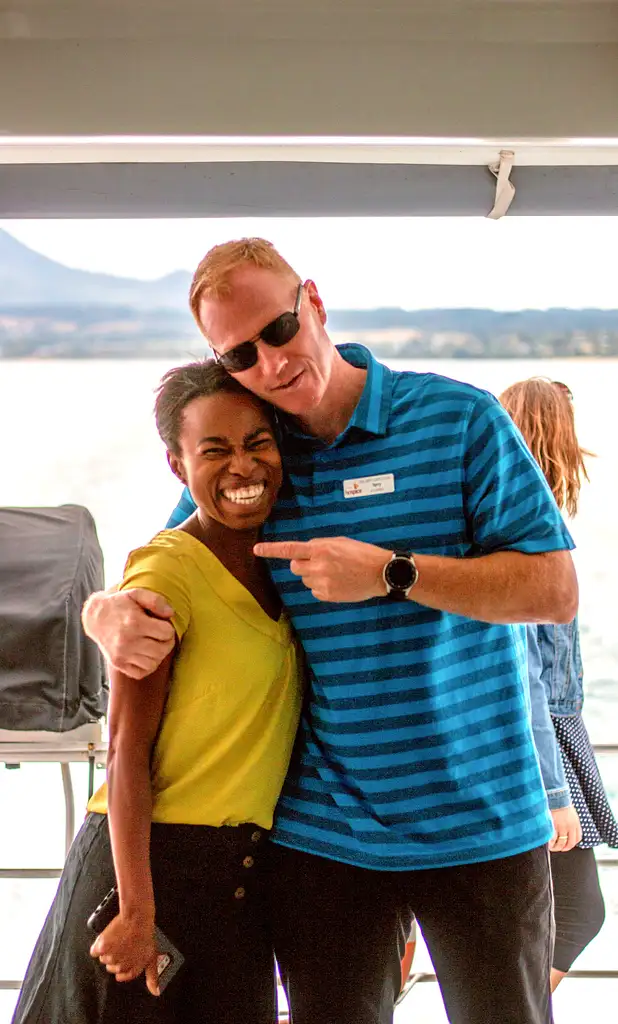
134,190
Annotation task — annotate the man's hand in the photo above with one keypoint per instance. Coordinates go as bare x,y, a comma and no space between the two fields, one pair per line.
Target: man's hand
334,569
127,948
504,586
567,829
131,628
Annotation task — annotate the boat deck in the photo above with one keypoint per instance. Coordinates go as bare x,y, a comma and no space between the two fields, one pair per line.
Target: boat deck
34,835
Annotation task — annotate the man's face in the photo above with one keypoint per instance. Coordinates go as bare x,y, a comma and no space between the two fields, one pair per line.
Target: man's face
294,377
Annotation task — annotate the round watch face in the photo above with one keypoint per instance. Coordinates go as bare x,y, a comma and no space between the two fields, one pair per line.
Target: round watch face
400,573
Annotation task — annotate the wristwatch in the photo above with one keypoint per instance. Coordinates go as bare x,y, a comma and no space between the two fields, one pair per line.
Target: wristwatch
399,574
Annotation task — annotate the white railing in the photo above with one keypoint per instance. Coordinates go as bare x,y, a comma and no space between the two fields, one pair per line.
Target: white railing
87,744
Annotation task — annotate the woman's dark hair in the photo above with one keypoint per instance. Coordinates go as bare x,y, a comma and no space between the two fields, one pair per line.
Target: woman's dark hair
182,385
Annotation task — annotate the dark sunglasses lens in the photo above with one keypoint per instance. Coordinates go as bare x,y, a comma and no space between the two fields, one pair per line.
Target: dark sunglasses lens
275,334
281,330
243,357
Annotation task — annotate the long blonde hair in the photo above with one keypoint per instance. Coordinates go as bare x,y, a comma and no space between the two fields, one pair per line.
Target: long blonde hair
543,411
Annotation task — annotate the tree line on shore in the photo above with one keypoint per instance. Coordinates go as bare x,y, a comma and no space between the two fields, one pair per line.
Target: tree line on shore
104,331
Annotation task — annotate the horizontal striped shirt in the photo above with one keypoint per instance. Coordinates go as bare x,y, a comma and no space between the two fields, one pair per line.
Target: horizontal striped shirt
415,749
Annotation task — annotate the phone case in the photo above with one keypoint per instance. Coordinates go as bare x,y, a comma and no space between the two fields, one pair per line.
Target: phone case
169,960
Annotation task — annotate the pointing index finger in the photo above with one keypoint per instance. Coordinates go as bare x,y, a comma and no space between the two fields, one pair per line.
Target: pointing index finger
287,549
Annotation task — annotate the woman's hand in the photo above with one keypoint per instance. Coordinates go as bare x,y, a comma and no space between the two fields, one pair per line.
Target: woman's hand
127,948
567,829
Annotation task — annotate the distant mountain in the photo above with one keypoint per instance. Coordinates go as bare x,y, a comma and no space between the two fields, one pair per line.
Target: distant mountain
48,310
28,279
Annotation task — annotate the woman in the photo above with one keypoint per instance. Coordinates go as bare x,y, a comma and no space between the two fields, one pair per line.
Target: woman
543,411
197,756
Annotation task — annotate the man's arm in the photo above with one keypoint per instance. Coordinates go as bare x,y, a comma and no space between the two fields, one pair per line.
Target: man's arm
507,586
131,628
527,574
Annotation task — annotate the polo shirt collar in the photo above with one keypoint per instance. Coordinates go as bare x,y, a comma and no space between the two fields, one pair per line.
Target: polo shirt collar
374,405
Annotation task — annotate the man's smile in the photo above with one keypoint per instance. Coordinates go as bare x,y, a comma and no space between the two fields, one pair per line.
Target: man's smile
289,384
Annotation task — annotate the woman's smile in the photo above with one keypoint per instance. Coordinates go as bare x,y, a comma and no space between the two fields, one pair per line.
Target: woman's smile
247,495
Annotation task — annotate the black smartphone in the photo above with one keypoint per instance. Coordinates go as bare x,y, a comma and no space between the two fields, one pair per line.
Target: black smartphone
169,960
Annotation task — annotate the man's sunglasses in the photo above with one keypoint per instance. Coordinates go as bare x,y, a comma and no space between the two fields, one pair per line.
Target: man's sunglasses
277,333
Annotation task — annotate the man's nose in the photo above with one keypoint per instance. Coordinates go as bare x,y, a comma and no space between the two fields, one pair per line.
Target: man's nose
272,361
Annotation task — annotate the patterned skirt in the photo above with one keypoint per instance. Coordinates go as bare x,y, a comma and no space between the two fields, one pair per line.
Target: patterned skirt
584,781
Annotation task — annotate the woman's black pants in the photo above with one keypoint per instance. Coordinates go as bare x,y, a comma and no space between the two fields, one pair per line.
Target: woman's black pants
578,901
209,895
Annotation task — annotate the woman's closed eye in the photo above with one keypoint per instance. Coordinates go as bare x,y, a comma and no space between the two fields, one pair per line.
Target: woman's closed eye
262,443
214,452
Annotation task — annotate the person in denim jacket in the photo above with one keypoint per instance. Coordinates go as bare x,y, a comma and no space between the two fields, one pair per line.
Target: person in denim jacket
555,676
583,819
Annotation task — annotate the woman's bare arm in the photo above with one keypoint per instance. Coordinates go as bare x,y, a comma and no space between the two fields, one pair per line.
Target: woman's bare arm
135,714
126,946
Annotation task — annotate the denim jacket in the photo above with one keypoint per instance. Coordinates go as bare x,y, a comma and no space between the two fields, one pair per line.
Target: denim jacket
555,675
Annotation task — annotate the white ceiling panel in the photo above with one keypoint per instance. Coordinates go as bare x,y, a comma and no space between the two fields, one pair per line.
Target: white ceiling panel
488,73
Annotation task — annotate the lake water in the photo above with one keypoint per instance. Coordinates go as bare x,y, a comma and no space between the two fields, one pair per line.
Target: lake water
83,432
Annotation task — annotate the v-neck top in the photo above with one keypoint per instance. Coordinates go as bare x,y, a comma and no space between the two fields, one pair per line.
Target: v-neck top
235,692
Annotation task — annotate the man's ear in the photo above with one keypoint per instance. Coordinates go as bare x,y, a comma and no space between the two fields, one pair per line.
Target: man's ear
316,301
176,466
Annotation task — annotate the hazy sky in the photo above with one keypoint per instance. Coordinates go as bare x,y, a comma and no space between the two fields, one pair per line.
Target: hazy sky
365,262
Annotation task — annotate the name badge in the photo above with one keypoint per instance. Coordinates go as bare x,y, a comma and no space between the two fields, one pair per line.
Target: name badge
365,485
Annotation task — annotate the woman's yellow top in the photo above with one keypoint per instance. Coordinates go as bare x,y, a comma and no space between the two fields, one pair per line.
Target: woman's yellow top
235,691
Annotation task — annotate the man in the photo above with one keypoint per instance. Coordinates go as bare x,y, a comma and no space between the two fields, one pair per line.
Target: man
415,531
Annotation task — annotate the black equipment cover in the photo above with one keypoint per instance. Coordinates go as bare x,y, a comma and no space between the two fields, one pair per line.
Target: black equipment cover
52,677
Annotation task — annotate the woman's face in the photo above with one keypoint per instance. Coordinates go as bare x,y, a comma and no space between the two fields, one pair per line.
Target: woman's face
229,459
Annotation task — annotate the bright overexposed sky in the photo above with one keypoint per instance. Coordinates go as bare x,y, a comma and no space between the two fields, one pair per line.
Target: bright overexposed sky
411,262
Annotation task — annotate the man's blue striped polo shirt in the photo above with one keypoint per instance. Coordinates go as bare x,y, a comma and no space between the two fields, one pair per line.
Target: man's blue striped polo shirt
415,749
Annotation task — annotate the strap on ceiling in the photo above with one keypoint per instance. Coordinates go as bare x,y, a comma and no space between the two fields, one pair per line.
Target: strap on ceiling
505,189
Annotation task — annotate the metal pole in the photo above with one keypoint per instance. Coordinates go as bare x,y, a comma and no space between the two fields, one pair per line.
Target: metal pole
69,803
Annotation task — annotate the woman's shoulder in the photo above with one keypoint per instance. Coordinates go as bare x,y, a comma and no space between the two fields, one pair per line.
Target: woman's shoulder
169,555
165,547
163,565
177,556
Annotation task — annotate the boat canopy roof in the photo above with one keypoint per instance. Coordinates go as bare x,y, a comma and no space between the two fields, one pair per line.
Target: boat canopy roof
225,107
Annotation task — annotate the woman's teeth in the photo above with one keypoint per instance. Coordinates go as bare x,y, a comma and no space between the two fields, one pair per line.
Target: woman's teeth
245,495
